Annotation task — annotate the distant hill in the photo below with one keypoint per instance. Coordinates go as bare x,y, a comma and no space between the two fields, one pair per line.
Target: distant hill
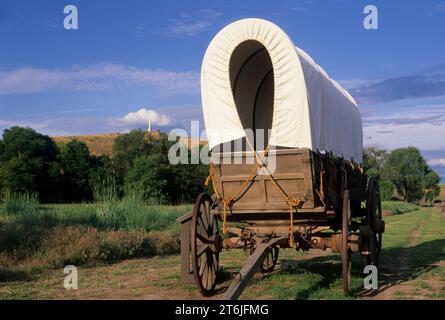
99,144
102,144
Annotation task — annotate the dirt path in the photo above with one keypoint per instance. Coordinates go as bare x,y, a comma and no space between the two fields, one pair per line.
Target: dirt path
394,279
400,279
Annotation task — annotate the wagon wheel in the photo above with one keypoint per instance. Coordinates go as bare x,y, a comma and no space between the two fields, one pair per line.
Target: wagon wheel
205,244
374,212
271,259
345,252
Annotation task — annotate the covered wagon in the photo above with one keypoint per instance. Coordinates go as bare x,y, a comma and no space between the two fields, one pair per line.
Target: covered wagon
286,168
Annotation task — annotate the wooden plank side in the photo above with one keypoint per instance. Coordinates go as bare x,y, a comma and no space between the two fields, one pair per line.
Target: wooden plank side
293,172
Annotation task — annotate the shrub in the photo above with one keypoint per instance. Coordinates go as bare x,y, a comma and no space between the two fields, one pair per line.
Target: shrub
399,207
163,242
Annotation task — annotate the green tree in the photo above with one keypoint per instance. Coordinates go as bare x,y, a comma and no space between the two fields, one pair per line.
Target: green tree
432,188
128,147
387,189
159,178
76,163
28,163
406,168
373,161
153,174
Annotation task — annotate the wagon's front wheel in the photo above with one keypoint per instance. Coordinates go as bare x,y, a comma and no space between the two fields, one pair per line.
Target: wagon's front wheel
345,252
271,260
205,244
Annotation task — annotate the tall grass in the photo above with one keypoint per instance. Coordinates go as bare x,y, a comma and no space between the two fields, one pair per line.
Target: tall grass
107,202
19,204
132,211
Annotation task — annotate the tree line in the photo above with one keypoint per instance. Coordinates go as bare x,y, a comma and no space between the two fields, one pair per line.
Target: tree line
33,163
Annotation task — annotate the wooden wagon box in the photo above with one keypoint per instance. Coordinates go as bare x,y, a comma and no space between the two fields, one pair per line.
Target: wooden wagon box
293,172
296,171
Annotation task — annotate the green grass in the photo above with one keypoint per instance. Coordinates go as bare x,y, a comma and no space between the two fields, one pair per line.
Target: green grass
399,207
413,245
36,238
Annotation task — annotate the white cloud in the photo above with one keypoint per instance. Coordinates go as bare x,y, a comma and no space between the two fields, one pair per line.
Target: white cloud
411,124
425,136
141,117
97,77
26,80
188,25
440,162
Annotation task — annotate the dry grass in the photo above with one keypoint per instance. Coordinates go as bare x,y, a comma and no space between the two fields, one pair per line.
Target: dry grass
99,144
102,144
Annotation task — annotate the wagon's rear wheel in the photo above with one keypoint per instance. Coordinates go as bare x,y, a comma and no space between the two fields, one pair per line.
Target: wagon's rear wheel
345,252
376,223
205,245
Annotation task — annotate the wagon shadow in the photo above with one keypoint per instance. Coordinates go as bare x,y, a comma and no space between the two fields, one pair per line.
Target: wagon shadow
328,267
399,264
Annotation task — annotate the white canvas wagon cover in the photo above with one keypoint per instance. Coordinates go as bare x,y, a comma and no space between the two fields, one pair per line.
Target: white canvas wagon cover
253,76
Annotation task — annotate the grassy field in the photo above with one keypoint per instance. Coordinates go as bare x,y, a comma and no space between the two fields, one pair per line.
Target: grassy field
35,239
413,267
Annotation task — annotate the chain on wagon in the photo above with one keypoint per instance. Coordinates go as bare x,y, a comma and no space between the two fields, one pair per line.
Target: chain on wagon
286,145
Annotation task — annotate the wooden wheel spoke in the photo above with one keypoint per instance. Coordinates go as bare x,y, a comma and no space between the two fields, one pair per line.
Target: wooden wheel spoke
215,262
211,224
207,207
204,214
202,226
202,265
202,249
203,239
209,276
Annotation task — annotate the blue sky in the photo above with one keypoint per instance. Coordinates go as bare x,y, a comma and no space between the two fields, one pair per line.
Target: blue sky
130,55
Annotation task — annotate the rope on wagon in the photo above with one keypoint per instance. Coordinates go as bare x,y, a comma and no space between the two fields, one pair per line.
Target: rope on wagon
291,202
321,192
229,201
